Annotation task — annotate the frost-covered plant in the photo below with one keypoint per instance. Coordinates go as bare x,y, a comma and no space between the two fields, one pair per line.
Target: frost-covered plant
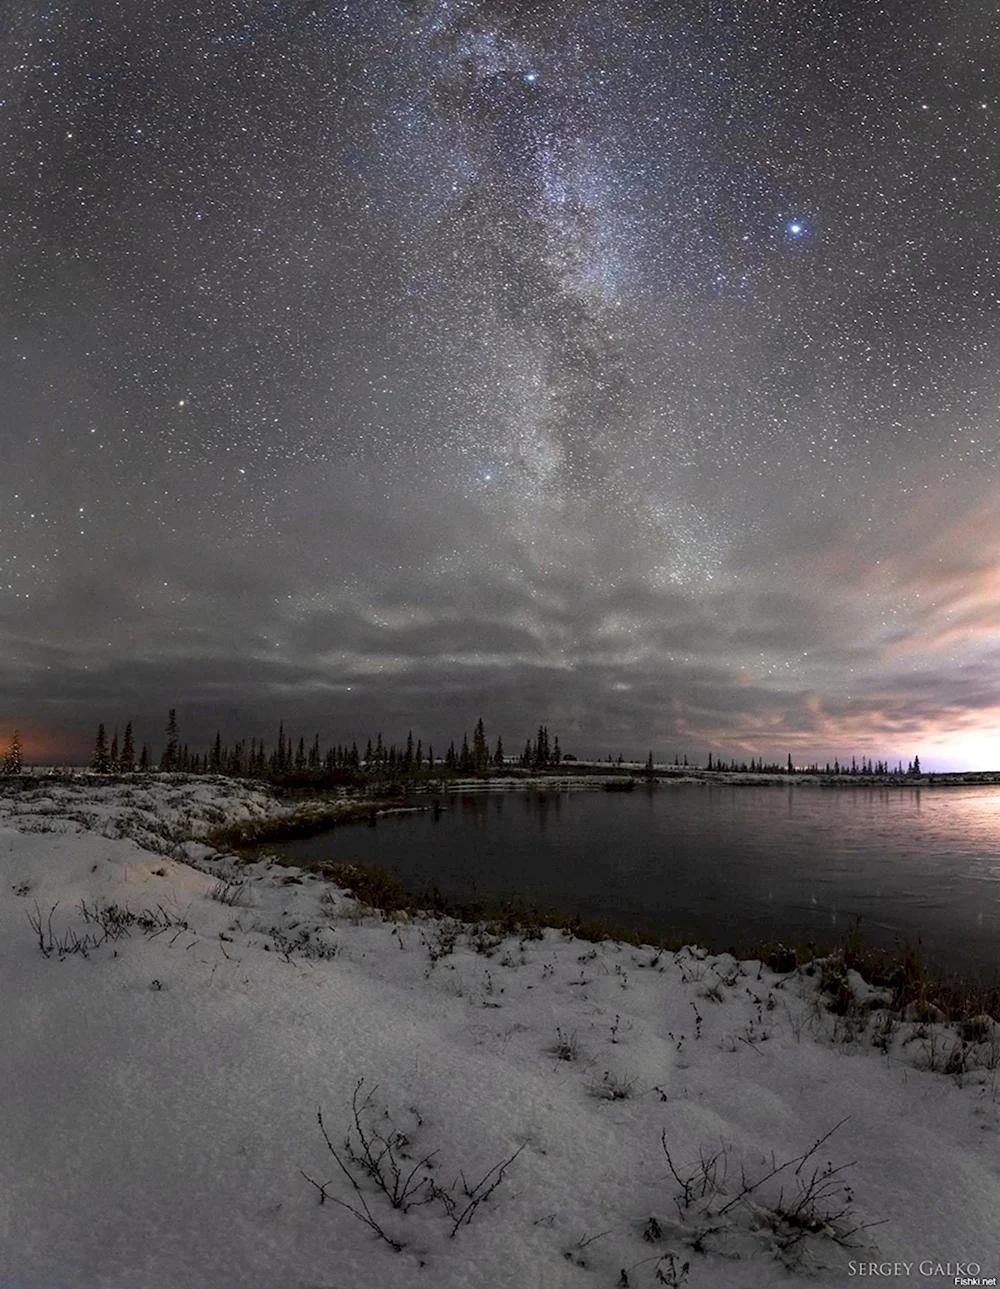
484,942
613,1087
566,1047
230,892
443,941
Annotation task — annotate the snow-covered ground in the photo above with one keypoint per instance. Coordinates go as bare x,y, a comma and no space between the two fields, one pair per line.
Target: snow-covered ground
170,1029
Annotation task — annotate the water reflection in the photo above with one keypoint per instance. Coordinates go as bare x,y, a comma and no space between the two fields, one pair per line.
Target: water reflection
731,863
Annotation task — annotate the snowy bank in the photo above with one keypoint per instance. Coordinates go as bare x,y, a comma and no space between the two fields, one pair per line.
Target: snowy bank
545,1112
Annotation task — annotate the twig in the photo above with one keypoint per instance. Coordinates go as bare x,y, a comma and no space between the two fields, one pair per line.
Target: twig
476,1198
799,1160
364,1214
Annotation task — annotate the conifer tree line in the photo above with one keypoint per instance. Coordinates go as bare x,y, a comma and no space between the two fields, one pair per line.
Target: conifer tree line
757,765
291,758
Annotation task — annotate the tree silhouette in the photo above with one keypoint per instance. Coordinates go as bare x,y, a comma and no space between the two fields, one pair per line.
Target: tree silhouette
12,757
100,761
126,757
171,753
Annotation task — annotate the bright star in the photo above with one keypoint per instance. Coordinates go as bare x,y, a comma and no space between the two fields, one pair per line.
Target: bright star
531,77
795,228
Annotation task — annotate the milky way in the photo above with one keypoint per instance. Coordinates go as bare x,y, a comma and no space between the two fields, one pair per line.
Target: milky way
629,366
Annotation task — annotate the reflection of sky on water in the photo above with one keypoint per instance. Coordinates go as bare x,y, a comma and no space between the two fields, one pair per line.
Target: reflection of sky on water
732,865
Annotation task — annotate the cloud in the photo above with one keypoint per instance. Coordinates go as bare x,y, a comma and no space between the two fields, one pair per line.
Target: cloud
437,610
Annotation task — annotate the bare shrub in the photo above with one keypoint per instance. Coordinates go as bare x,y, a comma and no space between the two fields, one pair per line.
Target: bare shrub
113,920
380,1157
566,1047
613,1087
792,1209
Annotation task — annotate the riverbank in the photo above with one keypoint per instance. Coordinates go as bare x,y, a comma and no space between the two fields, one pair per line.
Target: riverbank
244,1075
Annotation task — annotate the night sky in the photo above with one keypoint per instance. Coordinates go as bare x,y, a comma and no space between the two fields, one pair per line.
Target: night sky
632,367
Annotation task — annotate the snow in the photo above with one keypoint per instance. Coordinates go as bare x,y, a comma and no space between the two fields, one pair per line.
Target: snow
160,1091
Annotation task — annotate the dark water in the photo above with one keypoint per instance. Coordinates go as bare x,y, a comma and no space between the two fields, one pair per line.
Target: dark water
724,865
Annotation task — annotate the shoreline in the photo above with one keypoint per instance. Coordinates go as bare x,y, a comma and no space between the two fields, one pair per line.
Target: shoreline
583,775
279,819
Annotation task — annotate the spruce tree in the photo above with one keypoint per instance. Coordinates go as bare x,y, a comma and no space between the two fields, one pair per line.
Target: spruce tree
171,753
12,757
556,752
100,761
480,753
113,754
126,758
144,759
498,754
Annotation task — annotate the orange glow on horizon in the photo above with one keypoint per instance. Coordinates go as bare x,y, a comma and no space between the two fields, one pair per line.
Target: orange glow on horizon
40,746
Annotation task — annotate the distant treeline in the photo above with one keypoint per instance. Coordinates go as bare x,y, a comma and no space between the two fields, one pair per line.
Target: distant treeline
759,766
291,760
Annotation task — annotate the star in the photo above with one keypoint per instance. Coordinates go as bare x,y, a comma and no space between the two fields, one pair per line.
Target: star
699,320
